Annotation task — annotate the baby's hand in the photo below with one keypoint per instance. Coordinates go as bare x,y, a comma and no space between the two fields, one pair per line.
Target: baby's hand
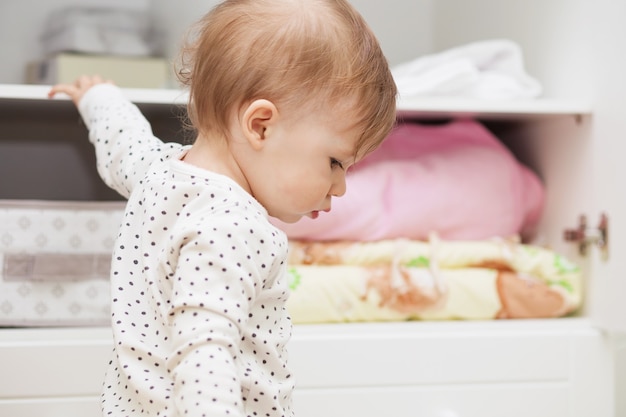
78,88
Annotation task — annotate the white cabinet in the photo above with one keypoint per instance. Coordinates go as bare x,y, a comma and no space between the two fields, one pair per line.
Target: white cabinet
573,139
543,368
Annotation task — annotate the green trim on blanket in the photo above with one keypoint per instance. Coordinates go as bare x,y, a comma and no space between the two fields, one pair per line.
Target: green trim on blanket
564,265
565,284
294,278
419,262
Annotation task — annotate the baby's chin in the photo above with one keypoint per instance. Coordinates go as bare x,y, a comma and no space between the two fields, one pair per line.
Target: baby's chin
294,218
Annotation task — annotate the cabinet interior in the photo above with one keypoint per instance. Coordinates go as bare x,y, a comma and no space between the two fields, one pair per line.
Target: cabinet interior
62,166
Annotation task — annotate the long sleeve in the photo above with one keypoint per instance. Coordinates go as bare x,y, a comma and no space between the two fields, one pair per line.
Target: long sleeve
123,139
216,280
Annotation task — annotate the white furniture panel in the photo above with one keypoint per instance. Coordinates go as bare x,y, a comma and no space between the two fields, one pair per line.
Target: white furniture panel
505,368
47,363
516,400
431,353
51,407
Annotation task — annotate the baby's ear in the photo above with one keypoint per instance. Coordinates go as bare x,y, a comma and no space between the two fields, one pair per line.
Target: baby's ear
257,121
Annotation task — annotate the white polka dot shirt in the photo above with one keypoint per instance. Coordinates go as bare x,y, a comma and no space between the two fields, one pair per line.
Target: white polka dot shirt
198,281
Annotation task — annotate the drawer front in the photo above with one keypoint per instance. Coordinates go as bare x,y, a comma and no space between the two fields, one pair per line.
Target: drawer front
505,400
425,353
51,407
326,361
53,369
400,370
73,363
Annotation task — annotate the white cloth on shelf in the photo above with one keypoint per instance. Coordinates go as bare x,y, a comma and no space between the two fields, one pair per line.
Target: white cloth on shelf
491,69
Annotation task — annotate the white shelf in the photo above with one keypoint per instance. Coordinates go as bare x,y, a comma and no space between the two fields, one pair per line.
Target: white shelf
411,108
492,109
138,95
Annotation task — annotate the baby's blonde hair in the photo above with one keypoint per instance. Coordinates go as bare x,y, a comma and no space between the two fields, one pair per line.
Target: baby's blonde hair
290,52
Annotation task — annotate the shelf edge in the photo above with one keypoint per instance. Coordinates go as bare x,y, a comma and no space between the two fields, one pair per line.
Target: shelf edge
414,107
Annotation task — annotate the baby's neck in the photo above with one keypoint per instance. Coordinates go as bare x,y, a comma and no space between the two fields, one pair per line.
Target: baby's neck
214,154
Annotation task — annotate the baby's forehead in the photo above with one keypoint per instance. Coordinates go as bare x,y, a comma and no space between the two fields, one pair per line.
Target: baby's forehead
351,128
343,111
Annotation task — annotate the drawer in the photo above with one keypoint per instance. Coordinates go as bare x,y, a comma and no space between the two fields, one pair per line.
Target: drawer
490,400
419,353
430,369
51,407
53,362
72,362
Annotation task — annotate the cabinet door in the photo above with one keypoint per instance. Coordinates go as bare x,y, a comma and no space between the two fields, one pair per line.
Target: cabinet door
575,49
607,305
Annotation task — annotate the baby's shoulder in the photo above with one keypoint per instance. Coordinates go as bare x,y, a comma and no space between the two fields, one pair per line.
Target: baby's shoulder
235,217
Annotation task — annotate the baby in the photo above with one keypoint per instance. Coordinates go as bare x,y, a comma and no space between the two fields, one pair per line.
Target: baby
285,96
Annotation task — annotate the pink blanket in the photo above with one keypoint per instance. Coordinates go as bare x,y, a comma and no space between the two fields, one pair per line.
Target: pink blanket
454,179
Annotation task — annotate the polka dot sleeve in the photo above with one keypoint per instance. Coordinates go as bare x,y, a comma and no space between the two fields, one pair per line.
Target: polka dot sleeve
216,280
123,139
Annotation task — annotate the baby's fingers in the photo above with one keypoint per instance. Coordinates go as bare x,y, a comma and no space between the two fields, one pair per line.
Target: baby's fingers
76,90
67,89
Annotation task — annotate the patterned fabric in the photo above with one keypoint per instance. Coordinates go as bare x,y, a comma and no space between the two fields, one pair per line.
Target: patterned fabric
401,279
55,263
55,260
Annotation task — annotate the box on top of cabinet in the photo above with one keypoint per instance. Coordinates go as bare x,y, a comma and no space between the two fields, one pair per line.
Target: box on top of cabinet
126,71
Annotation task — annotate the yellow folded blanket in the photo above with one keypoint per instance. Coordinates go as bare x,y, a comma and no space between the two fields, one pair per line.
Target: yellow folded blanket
400,279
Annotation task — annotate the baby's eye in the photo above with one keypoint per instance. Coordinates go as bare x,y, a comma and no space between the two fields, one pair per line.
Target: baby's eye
335,163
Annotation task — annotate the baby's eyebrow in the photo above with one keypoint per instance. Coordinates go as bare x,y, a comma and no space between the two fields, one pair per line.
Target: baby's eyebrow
348,162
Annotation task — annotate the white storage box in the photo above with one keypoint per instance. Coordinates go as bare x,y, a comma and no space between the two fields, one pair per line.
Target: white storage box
131,72
55,259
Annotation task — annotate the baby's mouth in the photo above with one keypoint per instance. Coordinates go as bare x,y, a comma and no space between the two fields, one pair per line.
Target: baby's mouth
316,213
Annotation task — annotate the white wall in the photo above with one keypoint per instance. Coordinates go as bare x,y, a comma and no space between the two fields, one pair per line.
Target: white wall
402,26
554,36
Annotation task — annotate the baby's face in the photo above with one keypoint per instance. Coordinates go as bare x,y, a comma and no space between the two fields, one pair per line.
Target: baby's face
306,163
